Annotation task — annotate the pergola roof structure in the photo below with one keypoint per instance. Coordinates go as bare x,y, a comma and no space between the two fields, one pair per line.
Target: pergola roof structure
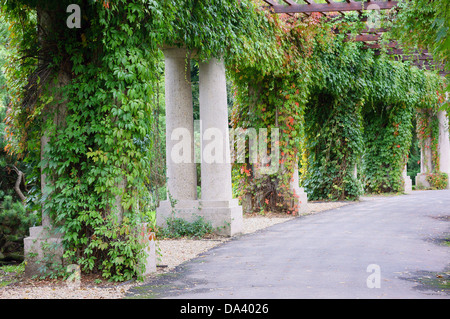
330,6
369,37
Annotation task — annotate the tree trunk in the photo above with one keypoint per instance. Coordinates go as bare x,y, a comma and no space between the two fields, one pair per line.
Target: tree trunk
20,178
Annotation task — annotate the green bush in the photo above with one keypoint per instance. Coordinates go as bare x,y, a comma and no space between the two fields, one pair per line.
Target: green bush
14,224
438,180
178,227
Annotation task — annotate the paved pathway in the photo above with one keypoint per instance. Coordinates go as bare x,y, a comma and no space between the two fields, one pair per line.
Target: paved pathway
327,255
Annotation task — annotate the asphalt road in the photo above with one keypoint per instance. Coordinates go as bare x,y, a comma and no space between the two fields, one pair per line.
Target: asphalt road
393,247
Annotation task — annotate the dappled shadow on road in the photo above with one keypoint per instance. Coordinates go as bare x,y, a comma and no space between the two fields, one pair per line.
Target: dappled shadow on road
171,284
431,283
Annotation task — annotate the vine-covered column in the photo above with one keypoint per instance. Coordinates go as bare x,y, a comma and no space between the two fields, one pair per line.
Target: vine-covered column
335,144
435,149
45,242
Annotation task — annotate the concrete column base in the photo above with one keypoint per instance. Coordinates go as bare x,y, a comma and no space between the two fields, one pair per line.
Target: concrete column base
43,249
225,216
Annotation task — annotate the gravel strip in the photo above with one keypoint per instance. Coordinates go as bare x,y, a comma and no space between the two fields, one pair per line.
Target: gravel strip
171,254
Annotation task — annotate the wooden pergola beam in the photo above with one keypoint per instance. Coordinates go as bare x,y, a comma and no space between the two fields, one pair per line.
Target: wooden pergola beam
364,37
393,44
422,55
427,64
374,30
290,2
271,2
330,7
422,59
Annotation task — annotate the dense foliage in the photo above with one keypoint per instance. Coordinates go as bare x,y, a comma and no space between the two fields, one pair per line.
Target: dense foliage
15,218
345,114
380,99
272,94
426,25
14,224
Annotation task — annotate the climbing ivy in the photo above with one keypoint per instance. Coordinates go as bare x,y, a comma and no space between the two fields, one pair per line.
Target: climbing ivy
271,95
91,93
334,121
425,25
355,112
335,143
388,136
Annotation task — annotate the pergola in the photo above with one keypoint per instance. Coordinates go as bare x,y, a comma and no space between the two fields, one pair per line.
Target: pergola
369,36
331,6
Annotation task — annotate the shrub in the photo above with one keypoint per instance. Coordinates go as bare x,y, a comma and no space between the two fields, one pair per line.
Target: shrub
178,227
14,224
438,180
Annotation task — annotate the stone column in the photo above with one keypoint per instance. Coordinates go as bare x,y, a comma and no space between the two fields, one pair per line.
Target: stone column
216,162
299,193
217,203
181,168
444,144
